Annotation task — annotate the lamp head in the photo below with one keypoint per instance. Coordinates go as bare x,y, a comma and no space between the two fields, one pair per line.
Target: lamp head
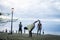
12,9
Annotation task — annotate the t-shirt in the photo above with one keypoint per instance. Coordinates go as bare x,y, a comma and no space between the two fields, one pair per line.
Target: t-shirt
30,26
39,26
20,25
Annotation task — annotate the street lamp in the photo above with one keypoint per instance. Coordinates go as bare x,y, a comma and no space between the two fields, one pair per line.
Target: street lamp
12,19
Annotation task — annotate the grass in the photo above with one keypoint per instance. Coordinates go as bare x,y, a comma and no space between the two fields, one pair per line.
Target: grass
5,36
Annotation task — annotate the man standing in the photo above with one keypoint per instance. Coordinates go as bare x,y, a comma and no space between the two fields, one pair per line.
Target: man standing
20,27
39,27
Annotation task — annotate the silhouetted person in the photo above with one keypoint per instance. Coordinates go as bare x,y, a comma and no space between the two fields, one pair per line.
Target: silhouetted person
20,27
6,30
43,32
39,27
30,27
25,28
0,13
16,31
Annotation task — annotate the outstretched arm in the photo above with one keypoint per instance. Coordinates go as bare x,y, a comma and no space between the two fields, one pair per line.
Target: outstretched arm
36,21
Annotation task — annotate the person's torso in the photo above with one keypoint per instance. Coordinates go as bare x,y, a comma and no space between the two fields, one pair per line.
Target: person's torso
20,25
39,25
30,26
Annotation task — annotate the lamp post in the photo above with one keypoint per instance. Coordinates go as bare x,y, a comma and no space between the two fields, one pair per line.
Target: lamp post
12,19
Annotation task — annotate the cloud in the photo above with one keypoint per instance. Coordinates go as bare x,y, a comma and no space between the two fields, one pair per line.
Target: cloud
55,20
29,8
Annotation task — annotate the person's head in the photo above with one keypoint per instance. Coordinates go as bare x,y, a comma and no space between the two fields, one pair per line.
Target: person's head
20,22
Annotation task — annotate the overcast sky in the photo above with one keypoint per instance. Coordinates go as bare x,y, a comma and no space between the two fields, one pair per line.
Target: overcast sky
48,11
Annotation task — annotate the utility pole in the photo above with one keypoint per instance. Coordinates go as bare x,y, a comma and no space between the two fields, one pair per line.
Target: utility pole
12,20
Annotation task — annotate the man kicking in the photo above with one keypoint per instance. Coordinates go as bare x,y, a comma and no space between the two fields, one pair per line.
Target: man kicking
30,27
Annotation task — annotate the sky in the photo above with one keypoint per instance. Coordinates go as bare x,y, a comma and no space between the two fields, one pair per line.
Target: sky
28,11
